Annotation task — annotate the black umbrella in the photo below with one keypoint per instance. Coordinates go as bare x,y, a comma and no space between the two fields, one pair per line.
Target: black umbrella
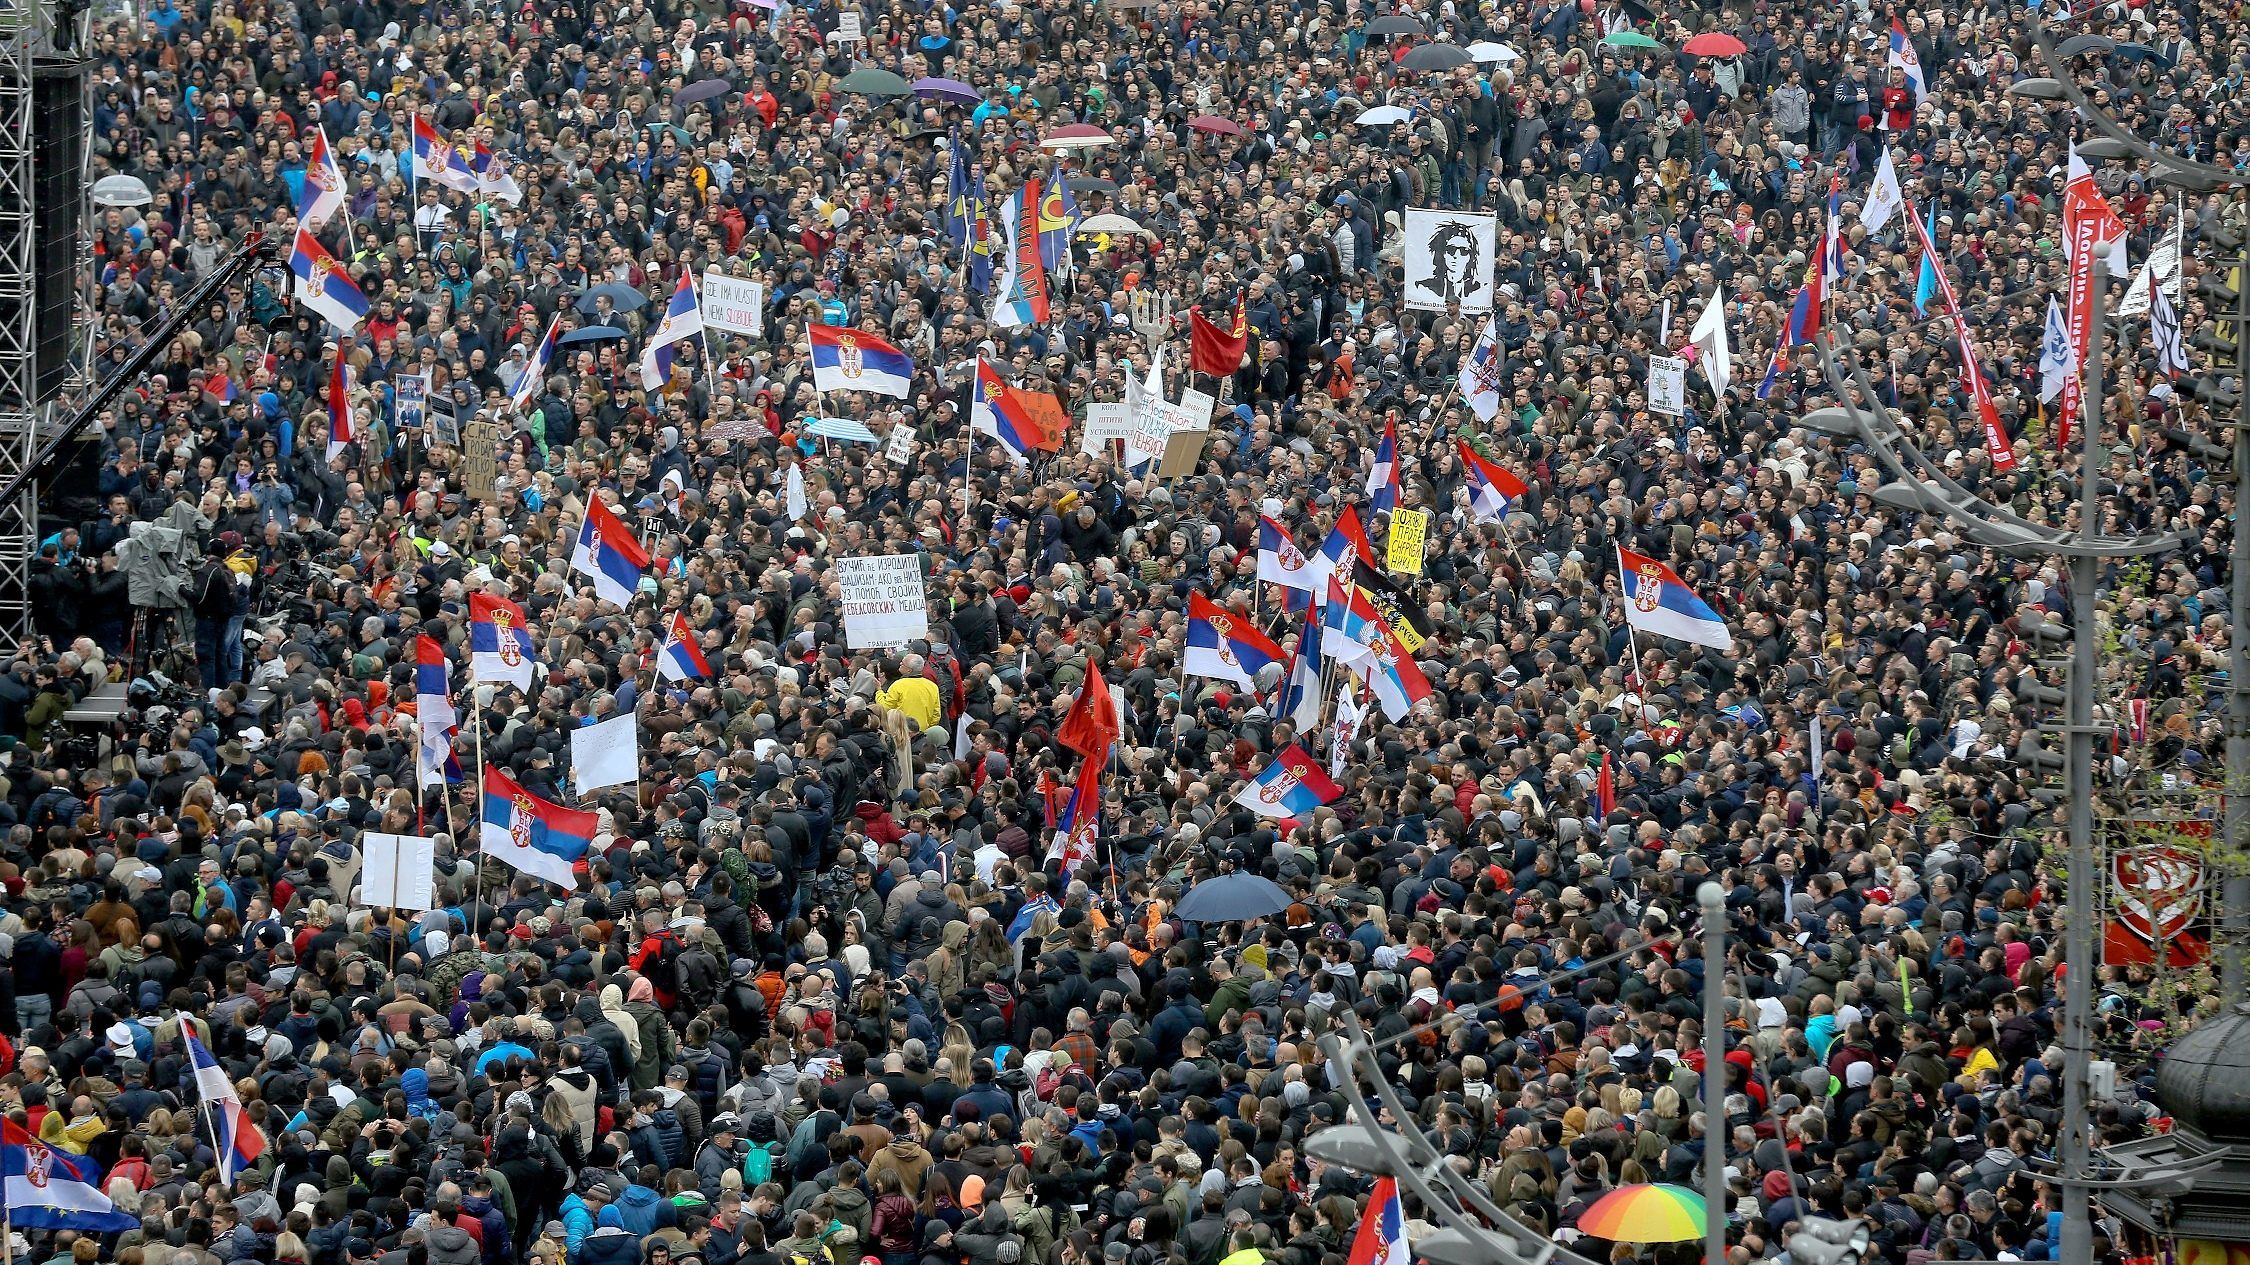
1437,57
1396,24
1232,897
1091,184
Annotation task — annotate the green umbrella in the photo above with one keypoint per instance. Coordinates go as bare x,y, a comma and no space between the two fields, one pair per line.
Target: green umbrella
1631,39
875,83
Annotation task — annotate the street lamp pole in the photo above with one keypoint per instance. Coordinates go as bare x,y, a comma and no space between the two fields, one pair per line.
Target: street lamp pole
2076,1149
2234,889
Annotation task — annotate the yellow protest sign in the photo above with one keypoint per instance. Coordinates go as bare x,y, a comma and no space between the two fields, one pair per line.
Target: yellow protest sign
1409,529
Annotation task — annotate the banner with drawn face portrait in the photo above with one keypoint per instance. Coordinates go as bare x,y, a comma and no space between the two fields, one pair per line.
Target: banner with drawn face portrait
1449,257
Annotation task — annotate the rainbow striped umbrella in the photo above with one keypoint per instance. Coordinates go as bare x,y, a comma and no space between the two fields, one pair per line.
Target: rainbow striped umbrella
1645,1214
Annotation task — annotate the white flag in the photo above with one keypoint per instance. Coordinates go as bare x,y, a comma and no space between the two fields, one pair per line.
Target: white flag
607,754
1884,198
2057,361
794,492
2162,266
2164,331
1709,339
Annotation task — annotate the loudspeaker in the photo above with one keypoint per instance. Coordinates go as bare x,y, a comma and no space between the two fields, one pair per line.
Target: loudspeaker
58,188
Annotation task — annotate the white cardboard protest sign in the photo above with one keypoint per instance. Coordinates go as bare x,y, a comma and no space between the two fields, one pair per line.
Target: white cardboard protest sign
1667,385
1105,422
397,871
734,304
885,602
607,754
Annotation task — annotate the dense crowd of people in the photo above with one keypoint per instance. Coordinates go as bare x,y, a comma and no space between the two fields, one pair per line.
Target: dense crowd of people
822,992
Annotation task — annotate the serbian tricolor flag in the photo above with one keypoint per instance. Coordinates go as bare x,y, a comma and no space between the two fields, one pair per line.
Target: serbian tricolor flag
237,1141
436,159
1803,327
220,388
683,321
845,359
1281,562
681,659
324,194
609,554
1382,1231
52,1189
1020,297
1491,489
1658,601
1298,700
500,647
1218,351
1392,676
1348,621
1382,481
1346,538
995,410
541,839
492,175
434,715
1225,647
1079,827
1292,786
342,427
1904,57
322,285
535,369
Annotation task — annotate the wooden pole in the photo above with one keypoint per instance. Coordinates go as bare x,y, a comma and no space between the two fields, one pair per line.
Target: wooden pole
476,715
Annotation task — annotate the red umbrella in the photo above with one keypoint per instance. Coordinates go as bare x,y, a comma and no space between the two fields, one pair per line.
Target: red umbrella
1716,44
1213,123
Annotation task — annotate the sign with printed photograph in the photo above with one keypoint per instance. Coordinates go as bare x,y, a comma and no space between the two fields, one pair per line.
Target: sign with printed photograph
1449,258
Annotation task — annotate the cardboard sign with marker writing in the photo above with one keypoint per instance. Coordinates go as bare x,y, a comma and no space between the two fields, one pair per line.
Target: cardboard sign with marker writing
479,463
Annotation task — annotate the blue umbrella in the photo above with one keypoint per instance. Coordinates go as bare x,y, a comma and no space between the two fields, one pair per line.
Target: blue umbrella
842,429
2142,52
1234,897
590,334
702,90
621,296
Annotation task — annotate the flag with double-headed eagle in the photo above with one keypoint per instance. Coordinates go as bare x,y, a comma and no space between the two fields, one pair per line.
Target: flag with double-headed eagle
1224,646
1291,786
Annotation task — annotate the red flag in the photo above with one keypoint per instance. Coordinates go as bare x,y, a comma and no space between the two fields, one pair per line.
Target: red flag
1217,351
1092,724
1605,791
2087,224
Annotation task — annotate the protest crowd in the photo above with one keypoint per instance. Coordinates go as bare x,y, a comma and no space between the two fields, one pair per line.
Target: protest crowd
527,503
